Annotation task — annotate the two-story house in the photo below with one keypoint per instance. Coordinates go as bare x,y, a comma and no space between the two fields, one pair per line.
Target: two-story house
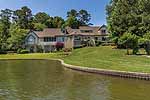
48,38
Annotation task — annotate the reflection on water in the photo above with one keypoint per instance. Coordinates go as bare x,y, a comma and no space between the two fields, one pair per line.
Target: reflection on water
48,80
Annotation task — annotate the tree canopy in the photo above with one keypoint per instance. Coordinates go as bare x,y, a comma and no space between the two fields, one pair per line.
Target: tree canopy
72,22
41,17
72,12
128,16
23,17
82,16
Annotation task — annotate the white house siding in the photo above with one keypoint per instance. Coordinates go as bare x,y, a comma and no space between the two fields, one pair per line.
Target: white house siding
40,41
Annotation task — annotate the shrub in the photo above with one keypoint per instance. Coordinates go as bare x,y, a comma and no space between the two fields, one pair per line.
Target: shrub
59,46
145,42
18,51
39,49
91,43
135,50
22,51
98,43
130,41
84,43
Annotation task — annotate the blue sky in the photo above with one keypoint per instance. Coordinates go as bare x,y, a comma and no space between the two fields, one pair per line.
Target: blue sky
60,7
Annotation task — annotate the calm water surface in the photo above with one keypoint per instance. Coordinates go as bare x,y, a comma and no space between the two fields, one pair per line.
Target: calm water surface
48,80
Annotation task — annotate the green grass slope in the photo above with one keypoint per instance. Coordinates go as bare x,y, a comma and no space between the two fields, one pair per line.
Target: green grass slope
108,58
30,56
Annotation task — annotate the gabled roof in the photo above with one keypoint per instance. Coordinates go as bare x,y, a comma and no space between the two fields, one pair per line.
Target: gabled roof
94,30
52,32
103,26
49,32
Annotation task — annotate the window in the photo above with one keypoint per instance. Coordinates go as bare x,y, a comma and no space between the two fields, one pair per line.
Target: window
60,39
63,39
103,39
87,31
49,39
103,31
77,38
96,38
31,40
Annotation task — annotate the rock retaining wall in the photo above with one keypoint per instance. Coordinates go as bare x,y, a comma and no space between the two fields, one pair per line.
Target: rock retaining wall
125,74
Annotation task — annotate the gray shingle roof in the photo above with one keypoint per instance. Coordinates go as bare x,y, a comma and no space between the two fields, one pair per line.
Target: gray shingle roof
49,32
52,32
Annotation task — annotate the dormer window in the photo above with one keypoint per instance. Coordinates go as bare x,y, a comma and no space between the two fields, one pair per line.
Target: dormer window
86,31
103,31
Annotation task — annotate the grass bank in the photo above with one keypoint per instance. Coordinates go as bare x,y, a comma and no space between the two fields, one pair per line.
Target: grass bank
108,58
31,56
95,57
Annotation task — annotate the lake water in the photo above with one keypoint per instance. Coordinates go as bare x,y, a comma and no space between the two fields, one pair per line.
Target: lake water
48,80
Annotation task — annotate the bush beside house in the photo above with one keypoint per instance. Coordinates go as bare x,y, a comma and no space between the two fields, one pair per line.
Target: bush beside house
23,51
59,46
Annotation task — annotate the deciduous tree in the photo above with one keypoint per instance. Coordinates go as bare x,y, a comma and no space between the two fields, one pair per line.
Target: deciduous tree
72,22
84,17
41,17
24,18
72,12
17,37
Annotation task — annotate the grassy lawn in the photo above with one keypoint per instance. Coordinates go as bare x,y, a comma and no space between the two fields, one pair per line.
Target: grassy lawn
96,57
108,58
31,56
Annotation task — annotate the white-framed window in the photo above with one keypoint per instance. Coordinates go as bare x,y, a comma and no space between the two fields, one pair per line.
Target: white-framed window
49,39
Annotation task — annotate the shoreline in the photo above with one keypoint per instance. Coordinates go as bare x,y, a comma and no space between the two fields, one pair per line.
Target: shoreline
123,74
116,73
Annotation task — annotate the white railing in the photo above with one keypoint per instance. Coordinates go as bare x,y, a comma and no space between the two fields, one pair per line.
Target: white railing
48,43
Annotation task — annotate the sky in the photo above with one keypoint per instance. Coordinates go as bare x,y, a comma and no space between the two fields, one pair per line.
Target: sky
60,7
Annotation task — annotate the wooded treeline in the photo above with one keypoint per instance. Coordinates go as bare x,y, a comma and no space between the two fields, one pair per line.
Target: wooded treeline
129,23
15,25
